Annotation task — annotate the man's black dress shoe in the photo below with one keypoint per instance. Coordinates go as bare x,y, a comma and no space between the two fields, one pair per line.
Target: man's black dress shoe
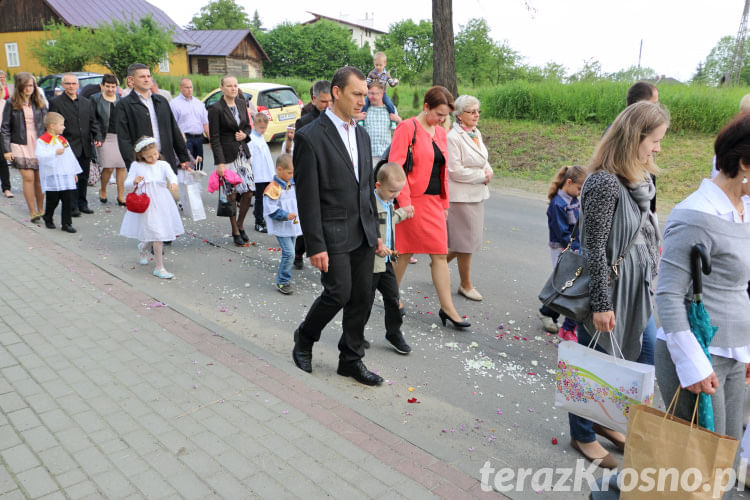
86,210
75,213
68,229
302,356
49,224
359,372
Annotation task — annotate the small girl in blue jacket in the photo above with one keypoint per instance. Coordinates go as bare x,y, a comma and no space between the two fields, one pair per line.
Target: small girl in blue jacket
562,215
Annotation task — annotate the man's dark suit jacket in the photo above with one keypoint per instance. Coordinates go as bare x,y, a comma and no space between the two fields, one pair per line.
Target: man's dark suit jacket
337,213
133,122
221,129
308,117
81,125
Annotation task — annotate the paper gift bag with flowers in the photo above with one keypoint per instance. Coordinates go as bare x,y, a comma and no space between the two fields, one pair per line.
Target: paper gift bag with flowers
601,387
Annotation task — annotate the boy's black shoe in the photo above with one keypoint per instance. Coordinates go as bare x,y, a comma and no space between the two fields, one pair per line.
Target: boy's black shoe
298,263
398,343
75,213
261,228
366,344
68,228
285,288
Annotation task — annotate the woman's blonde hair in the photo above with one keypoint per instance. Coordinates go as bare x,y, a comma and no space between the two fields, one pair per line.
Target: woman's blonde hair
617,151
21,80
576,173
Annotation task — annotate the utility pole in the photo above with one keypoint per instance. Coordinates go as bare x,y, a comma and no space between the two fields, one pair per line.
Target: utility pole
738,57
640,52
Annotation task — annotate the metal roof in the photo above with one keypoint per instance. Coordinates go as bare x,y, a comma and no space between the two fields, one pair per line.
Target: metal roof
93,13
220,42
318,17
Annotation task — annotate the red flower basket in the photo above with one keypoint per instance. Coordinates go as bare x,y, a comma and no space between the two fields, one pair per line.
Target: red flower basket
137,203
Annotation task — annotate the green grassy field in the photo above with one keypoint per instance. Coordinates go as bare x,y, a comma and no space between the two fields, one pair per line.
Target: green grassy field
526,154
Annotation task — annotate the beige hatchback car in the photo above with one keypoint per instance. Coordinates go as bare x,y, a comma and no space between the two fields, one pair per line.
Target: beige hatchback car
280,103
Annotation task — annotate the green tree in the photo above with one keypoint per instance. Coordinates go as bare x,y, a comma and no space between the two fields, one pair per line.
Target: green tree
221,15
591,70
409,48
503,63
122,44
633,74
311,51
474,51
700,77
719,61
65,48
256,24
554,71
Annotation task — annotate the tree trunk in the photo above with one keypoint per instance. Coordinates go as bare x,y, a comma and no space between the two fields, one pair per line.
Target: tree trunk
443,55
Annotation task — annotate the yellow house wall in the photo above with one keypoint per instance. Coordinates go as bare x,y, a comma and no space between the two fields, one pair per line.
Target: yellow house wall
178,59
27,60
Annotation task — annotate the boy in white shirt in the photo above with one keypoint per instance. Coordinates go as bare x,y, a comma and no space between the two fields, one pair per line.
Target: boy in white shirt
262,165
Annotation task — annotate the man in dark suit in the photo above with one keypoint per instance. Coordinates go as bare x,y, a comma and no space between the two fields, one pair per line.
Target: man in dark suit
143,113
81,129
336,201
320,93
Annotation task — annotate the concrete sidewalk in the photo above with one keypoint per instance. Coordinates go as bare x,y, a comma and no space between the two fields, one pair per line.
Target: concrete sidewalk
106,392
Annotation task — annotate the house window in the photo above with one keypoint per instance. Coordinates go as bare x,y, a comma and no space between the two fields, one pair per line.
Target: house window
51,42
11,55
164,64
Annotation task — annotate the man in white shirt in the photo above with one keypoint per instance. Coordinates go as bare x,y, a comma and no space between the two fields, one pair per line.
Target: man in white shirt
263,167
192,118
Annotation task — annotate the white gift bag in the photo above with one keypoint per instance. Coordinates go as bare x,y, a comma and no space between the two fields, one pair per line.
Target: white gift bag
190,195
601,387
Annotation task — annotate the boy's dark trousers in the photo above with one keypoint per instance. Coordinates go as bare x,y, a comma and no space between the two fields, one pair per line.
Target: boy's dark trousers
53,198
388,285
258,208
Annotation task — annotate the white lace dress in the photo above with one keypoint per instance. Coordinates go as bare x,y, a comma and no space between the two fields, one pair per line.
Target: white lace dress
161,221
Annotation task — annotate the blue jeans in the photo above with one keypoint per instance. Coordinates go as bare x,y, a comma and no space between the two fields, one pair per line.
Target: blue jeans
284,275
386,100
582,429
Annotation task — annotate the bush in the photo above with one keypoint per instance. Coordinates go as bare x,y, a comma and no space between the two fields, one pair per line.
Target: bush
701,109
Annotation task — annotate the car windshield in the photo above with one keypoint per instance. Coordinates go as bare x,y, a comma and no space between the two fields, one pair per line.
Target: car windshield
48,83
278,98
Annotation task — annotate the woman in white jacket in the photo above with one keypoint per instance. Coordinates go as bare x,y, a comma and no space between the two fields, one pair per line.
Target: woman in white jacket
469,173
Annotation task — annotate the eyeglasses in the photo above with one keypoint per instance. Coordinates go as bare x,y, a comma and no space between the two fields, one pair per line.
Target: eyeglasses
70,83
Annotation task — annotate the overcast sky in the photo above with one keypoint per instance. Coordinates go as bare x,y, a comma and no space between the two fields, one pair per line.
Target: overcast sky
676,34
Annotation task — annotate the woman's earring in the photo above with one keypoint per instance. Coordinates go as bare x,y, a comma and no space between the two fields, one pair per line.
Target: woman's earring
744,179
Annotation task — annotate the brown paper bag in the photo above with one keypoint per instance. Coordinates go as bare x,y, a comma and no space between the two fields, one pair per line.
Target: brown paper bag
670,458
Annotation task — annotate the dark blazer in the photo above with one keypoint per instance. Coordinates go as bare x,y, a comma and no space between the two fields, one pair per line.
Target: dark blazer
133,122
13,128
338,214
307,118
221,129
101,107
81,126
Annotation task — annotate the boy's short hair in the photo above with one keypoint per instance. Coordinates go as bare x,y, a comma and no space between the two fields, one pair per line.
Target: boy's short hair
109,78
377,84
260,118
391,172
284,162
379,55
53,117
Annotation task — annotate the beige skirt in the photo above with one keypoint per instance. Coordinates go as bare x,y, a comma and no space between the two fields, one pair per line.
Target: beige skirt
109,153
465,227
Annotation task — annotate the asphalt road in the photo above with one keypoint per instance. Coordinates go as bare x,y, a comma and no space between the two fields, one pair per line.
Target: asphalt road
484,394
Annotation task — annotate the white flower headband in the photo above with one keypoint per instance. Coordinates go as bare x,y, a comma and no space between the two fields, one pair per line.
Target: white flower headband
143,143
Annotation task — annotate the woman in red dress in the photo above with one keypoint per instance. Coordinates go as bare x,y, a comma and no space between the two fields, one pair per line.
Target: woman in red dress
425,195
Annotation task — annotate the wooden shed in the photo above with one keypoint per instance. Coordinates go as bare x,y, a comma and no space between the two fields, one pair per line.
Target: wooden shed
222,52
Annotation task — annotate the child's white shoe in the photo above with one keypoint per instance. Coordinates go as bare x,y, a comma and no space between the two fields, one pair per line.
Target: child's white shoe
163,274
142,257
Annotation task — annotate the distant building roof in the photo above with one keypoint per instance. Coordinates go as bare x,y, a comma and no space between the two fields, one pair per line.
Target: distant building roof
318,17
92,13
220,42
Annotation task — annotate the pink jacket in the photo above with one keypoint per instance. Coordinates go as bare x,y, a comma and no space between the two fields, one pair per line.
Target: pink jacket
213,179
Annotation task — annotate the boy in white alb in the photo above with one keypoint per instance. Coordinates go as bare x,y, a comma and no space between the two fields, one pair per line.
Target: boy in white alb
262,164
280,209
58,170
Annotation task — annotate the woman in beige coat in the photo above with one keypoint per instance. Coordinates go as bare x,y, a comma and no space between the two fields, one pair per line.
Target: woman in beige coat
469,173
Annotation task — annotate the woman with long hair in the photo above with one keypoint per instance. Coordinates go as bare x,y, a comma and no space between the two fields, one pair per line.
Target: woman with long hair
229,131
616,209
22,123
425,196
